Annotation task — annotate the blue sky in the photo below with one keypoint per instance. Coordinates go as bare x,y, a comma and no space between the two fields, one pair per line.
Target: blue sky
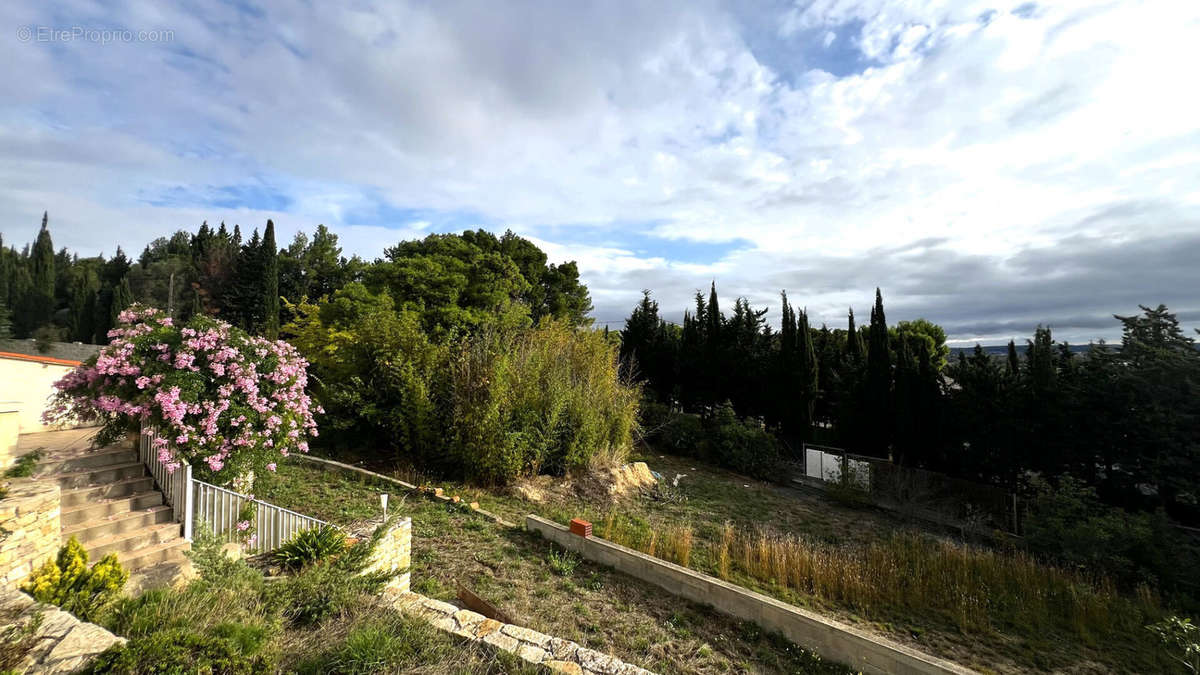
990,165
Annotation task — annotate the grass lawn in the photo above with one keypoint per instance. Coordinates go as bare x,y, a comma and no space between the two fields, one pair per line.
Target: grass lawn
611,612
544,588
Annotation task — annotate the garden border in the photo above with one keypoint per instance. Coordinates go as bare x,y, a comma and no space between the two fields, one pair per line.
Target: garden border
831,639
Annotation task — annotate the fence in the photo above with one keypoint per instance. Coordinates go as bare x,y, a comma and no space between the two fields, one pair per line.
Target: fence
176,485
221,509
916,492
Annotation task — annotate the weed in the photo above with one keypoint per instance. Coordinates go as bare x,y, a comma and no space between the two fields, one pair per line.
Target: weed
562,562
311,545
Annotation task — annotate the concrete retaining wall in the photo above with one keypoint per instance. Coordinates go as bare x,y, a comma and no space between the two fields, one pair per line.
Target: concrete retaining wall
831,639
30,529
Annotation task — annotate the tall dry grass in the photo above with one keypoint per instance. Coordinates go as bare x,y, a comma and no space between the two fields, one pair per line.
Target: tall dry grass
976,590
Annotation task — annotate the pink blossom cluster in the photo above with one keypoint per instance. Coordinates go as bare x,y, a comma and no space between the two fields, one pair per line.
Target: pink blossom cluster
218,395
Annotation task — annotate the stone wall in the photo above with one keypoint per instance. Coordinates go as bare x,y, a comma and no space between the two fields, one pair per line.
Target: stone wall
556,654
831,639
394,553
61,643
30,529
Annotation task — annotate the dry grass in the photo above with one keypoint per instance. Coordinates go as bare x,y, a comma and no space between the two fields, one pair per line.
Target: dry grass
973,589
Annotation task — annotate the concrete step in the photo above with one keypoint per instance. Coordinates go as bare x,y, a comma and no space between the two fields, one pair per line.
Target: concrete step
67,462
122,488
130,522
101,475
169,551
99,508
126,544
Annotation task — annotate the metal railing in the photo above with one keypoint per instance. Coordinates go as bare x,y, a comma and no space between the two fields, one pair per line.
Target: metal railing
176,485
221,509
194,501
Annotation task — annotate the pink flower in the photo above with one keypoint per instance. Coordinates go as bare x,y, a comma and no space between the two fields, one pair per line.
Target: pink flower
271,466
243,525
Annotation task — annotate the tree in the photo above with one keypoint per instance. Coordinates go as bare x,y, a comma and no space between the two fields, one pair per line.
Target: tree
879,380
807,370
270,271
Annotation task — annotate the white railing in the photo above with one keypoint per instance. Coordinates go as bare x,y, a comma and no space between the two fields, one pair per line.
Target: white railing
221,509
176,485
194,500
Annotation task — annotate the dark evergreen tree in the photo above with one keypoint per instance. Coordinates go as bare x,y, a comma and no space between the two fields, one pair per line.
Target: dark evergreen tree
879,381
807,372
270,271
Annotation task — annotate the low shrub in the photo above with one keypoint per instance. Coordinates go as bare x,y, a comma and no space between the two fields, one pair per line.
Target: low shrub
67,581
24,466
1067,523
230,648
742,445
309,546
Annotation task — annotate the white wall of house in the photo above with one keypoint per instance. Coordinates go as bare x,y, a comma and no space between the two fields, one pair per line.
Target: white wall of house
26,385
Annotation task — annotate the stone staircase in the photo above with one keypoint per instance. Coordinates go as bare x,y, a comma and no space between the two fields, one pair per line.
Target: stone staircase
110,504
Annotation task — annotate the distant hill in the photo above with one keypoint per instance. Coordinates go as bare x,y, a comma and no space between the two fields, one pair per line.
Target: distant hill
1001,350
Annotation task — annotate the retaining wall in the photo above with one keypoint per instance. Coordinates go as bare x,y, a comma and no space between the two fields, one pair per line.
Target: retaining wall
30,529
831,639
394,553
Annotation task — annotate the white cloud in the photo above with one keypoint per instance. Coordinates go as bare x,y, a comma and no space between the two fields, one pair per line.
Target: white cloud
993,131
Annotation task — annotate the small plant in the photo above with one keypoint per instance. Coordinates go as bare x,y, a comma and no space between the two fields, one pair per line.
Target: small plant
24,466
309,546
1181,638
562,562
727,534
328,587
16,641
68,583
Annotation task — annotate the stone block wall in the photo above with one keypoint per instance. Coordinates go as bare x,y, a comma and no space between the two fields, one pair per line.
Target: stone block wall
10,429
60,644
394,553
30,529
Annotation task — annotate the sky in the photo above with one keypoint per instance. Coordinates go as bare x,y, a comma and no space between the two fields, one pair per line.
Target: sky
992,166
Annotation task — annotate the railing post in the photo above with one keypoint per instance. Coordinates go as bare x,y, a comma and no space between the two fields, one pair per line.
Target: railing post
189,495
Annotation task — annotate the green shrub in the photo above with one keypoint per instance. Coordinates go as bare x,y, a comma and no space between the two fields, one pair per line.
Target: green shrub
547,400
311,545
742,445
1068,523
326,588
215,567
24,466
1181,639
230,648
67,581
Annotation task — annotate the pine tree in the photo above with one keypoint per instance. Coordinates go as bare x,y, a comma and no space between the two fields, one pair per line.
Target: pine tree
1014,361
270,271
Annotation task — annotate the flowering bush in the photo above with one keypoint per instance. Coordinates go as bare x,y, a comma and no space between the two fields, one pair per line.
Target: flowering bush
230,402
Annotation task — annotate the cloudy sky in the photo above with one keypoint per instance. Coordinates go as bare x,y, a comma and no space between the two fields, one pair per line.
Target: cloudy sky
991,165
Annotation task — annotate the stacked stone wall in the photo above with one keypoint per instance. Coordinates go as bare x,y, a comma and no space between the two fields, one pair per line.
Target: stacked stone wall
30,529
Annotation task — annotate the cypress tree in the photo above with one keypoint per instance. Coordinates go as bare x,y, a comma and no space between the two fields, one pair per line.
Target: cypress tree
270,270
1014,361
807,368
121,299
6,273
879,367
43,261
854,347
